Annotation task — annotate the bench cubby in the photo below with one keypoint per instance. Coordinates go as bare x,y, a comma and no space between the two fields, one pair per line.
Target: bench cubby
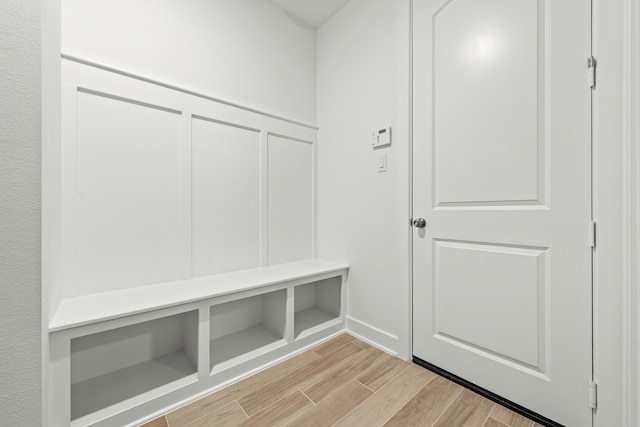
110,367
316,303
243,327
117,357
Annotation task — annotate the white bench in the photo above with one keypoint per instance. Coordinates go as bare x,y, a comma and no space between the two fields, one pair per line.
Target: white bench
117,357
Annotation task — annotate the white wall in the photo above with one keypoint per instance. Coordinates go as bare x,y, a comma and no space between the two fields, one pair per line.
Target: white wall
20,118
246,51
363,216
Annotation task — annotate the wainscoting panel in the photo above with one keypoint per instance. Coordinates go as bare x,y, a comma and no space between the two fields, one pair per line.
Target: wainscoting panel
226,197
290,199
162,184
128,195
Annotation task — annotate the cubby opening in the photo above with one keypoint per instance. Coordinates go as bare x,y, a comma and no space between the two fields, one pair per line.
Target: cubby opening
242,327
316,303
113,366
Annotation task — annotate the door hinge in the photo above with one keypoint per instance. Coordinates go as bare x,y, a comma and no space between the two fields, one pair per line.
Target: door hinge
593,394
591,67
592,234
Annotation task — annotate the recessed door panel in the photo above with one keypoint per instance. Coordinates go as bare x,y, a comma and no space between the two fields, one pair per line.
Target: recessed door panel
488,102
502,288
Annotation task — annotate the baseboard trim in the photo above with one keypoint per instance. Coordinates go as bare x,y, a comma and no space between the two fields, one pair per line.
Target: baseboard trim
546,422
372,335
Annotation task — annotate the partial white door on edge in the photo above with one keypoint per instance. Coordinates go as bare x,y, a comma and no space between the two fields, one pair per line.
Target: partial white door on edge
502,176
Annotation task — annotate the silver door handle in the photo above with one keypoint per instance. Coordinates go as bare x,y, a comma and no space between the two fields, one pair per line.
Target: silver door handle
420,223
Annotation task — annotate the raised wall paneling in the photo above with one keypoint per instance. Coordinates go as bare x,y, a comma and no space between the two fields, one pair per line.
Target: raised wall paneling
226,197
128,196
290,193
164,185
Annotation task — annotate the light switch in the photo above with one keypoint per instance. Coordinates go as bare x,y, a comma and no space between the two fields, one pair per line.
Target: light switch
382,163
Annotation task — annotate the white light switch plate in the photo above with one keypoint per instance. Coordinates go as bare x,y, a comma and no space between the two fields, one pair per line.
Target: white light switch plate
382,163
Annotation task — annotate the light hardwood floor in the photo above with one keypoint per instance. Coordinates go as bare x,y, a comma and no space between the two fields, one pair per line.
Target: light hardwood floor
344,382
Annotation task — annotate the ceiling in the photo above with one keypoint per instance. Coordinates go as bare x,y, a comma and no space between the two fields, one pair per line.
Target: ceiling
311,12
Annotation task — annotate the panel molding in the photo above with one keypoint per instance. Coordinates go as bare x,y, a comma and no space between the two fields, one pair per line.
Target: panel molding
541,326
181,89
225,123
542,184
493,205
186,191
128,192
69,193
276,253
128,100
277,135
492,355
226,196
264,198
79,76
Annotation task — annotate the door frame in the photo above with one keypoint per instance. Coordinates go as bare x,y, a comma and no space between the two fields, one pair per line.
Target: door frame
616,197
631,244
616,206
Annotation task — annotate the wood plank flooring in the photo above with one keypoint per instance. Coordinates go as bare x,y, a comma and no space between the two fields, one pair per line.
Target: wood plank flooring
344,382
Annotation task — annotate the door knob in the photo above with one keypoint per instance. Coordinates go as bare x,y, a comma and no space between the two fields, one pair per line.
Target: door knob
420,223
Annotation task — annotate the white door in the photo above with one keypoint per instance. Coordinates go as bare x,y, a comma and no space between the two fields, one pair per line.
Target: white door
502,176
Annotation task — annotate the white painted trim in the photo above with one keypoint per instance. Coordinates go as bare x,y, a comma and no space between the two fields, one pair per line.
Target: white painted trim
631,214
372,335
411,189
69,190
51,180
314,198
79,77
406,117
610,199
182,89
204,334
186,194
264,198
